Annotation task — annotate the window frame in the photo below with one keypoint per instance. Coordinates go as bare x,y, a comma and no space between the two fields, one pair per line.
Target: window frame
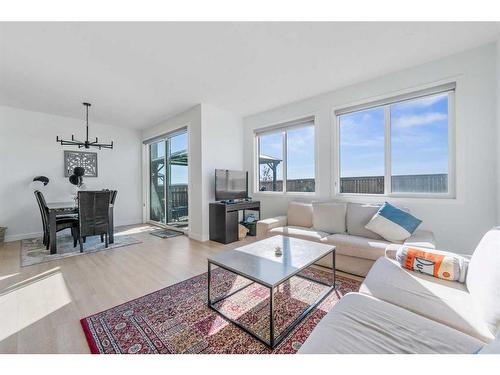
386,102
283,127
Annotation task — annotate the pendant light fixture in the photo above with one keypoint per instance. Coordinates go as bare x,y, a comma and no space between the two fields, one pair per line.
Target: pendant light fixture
87,143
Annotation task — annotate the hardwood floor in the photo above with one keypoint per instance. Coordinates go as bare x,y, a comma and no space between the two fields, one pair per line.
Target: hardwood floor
41,305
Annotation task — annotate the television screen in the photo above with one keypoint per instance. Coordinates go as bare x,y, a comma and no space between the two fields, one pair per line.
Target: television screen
230,184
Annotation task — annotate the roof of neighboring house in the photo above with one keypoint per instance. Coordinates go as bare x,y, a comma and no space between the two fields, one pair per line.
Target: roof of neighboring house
176,158
268,159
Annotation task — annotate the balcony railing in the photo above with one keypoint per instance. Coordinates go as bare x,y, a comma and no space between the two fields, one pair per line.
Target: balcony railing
177,204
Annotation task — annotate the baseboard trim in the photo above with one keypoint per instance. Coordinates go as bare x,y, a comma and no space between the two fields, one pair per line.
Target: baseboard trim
198,237
25,236
22,236
129,222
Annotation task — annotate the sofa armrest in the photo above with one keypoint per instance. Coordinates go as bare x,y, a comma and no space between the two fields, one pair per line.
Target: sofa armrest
421,238
391,250
264,226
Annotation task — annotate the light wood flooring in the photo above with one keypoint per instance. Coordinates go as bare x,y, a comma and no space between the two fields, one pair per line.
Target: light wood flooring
41,305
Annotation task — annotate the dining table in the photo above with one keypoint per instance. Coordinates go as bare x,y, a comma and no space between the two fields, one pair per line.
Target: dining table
70,208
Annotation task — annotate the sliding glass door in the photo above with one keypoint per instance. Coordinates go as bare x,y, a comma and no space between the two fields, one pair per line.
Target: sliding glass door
168,196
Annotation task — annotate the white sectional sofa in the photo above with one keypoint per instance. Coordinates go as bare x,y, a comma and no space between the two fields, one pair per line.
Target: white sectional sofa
401,311
343,225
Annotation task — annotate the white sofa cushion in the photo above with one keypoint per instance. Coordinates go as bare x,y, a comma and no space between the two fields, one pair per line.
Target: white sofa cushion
355,246
345,263
358,215
329,216
483,278
299,232
447,302
363,324
491,348
300,214
421,238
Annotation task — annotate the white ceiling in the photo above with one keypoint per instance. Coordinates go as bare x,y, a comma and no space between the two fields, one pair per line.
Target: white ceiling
136,74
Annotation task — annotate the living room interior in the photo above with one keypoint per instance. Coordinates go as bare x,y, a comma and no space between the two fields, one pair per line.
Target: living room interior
250,188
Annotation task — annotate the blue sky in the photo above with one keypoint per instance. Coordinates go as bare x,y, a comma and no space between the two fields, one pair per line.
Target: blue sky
177,143
419,139
179,173
300,151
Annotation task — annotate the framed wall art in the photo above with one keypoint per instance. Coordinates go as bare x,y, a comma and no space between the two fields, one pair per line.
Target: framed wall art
87,160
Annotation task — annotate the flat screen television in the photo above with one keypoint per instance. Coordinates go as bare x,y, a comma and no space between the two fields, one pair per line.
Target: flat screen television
230,184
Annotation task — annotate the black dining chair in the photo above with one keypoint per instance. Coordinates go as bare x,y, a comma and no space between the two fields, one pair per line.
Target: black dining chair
62,222
93,215
113,194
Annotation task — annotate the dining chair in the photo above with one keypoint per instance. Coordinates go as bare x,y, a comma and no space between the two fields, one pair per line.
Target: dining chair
112,194
62,222
93,215
111,214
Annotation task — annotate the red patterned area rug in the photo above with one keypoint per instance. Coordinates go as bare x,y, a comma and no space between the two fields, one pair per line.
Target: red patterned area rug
176,319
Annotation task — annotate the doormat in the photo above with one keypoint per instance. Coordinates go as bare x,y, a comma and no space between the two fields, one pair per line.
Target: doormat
166,233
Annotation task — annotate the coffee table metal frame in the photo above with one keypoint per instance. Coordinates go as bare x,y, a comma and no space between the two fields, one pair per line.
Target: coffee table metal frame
273,341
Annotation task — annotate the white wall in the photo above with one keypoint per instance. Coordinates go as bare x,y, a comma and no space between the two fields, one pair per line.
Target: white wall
215,141
458,223
28,148
497,82
222,147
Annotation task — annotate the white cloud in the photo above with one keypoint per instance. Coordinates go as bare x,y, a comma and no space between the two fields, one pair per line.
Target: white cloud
362,142
421,102
419,120
355,120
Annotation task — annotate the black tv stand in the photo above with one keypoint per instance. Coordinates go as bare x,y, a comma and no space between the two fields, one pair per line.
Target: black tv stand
224,219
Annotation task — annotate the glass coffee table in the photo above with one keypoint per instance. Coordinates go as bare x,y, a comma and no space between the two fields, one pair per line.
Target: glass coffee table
258,263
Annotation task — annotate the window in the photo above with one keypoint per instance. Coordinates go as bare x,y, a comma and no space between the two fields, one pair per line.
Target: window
362,152
271,162
287,153
398,146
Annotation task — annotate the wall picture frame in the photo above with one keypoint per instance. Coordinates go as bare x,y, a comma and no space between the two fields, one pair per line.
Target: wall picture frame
87,160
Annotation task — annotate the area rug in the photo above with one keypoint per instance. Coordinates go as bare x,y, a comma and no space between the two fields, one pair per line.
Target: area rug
33,250
165,233
176,319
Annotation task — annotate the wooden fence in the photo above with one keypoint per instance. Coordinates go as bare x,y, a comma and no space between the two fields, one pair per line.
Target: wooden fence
425,183
362,185
299,185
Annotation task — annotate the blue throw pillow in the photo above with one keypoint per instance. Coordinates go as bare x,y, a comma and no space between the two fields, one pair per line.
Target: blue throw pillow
393,223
